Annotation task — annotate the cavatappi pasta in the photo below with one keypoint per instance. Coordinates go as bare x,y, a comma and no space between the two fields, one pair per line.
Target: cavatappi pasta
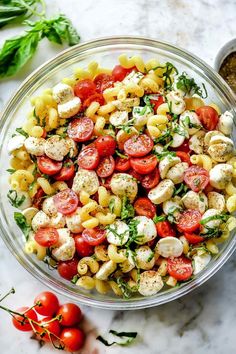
125,177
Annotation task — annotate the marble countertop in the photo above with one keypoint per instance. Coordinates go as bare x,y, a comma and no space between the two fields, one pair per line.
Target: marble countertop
203,322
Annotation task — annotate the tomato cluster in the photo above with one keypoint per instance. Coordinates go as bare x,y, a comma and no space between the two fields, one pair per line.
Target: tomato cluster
59,324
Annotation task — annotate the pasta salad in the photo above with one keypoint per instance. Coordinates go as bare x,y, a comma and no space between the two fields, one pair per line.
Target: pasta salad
124,178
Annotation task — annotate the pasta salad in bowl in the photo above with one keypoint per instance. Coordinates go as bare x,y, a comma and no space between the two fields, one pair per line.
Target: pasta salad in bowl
124,179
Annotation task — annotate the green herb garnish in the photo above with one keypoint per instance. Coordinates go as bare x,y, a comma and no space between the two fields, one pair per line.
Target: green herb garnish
127,209
11,170
189,86
14,199
21,222
129,335
19,130
160,218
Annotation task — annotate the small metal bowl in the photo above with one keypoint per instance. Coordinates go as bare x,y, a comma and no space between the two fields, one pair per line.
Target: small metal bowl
228,48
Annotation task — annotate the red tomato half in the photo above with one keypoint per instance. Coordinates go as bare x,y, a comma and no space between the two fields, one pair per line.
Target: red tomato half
208,117
119,72
49,303
122,165
136,175
189,220
46,236
138,145
96,97
85,88
68,269
106,167
144,206
196,178
103,81
47,324
48,166
94,236
67,172
180,268
66,201
157,102
38,198
88,158
184,147
20,322
184,156
144,165
106,145
151,180
80,129
193,238
70,314
82,247
72,338
164,229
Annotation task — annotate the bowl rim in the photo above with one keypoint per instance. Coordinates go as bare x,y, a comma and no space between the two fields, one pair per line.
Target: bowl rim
120,304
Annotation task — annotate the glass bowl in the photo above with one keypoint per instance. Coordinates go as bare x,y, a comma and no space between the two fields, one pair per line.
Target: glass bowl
106,52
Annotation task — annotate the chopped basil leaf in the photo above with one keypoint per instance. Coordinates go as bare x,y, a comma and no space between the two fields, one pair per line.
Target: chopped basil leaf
222,217
74,279
189,86
129,335
111,205
22,132
14,199
21,222
127,209
157,219
121,155
11,170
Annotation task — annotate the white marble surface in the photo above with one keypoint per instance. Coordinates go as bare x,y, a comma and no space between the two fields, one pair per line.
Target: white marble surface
205,321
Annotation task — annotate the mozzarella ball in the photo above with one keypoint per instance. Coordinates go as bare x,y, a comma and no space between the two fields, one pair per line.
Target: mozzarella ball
220,148
58,221
56,148
74,222
123,184
176,101
215,223
190,121
200,261
144,258
166,163
118,118
179,135
49,206
150,283
196,142
221,175
35,146
118,233
196,201
86,181
146,230
69,108
169,247
162,192
172,206
176,173
225,124
16,142
65,248
62,93
216,201
40,220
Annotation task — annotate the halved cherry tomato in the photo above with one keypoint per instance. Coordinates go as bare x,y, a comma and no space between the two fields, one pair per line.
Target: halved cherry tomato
164,229
84,88
51,325
44,134
72,338
20,322
94,236
193,238
66,201
119,72
151,180
49,303
156,102
48,166
180,268
184,147
46,236
67,172
184,156
68,269
105,145
96,97
70,314
103,81
189,220
144,206
38,198
196,178
208,188
136,175
88,158
82,247
144,165
80,129
138,145
122,165
105,167
208,117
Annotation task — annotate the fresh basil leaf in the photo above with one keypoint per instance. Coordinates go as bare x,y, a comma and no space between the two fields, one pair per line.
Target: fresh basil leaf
222,217
127,209
22,132
157,219
14,199
14,11
21,222
189,86
129,335
11,170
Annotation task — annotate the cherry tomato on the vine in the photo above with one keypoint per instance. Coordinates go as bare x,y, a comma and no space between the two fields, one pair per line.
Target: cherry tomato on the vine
72,338
49,303
21,323
70,314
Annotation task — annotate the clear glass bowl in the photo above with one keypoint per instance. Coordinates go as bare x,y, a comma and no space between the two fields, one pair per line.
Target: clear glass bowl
106,52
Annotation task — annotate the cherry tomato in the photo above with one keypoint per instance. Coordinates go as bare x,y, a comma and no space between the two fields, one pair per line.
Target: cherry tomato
106,167
208,117
122,165
44,134
193,238
144,165
138,145
68,269
184,147
84,88
136,175
49,303
96,97
82,247
46,236
94,236
196,178
48,166
70,313
164,229
156,102
119,73
66,201
106,145
20,322
144,206
208,189
189,220
88,158
38,198
80,129
72,338
103,81
67,172
151,180
48,324
184,156
180,268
